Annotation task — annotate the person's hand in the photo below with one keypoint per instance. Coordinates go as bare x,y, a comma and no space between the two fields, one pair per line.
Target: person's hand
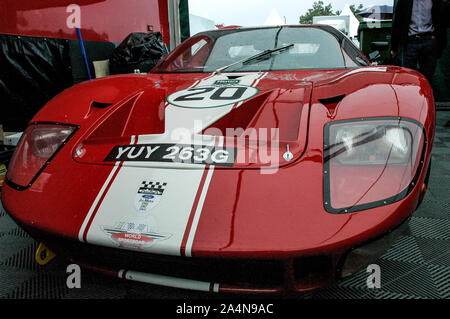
394,53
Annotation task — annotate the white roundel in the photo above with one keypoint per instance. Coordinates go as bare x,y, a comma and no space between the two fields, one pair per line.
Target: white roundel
211,96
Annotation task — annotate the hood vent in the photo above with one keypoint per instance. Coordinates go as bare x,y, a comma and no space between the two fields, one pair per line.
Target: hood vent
331,103
332,100
233,77
100,105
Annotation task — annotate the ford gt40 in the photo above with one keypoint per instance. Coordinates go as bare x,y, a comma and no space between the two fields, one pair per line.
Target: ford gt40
252,160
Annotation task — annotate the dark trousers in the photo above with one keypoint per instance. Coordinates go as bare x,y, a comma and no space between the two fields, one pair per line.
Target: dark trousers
421,54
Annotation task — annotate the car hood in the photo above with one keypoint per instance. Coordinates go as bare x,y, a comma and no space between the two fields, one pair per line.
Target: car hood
252,115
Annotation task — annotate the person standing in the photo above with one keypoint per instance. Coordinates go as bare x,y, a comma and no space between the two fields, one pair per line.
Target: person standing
418,35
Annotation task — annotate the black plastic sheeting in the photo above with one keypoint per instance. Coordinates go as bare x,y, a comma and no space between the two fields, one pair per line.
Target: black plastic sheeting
138,51
32,71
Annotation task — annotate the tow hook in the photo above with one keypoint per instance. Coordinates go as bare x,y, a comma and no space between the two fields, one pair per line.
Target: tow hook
43,254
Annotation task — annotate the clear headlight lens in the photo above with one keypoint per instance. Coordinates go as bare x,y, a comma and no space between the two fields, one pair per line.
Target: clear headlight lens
372,144
38,145
45,141
370,162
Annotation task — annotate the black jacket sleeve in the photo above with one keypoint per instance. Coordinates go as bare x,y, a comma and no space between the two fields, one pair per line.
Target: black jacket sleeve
440,21
400,23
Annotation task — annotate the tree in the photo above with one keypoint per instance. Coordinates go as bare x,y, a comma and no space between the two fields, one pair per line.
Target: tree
318,9
356,10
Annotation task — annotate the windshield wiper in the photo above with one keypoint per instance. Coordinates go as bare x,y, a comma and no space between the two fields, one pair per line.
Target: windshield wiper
254,57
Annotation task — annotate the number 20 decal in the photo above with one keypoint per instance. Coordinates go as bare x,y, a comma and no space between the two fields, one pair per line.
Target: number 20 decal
211,96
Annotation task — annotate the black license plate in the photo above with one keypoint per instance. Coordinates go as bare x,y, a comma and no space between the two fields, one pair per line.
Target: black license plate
173,153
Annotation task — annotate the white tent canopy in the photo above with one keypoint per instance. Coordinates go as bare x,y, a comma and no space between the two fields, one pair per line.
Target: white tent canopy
354,22
199,24
274,18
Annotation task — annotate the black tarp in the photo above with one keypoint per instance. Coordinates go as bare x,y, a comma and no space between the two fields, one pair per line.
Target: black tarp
138,51
32,71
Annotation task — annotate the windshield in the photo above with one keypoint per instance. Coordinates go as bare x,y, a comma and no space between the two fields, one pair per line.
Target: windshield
306,48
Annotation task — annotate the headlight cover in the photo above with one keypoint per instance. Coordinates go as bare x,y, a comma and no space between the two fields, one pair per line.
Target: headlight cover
370,162
37,147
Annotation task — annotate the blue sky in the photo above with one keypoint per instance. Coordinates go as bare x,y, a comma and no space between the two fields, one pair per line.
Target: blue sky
255,12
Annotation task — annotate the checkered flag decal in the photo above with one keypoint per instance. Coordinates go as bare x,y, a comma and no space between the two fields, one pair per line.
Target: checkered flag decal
154,188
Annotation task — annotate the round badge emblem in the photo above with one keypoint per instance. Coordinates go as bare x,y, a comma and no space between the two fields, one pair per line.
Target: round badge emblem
211,96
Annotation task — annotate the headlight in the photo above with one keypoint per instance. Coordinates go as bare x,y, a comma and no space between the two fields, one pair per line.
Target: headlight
370,162
372,144
38,145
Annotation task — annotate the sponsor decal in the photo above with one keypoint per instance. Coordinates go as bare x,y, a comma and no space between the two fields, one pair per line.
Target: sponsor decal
201,97
148,196
139,231
226,82
173,153
135,232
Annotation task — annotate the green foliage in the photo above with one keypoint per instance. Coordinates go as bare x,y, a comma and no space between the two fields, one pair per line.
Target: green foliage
356,10
320,9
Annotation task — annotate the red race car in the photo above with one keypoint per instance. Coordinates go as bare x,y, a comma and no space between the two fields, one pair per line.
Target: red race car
254,160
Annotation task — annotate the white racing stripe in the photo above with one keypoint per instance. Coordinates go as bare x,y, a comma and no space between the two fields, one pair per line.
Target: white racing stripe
170,217
182,117
99,195
198,211
91,210
255,84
